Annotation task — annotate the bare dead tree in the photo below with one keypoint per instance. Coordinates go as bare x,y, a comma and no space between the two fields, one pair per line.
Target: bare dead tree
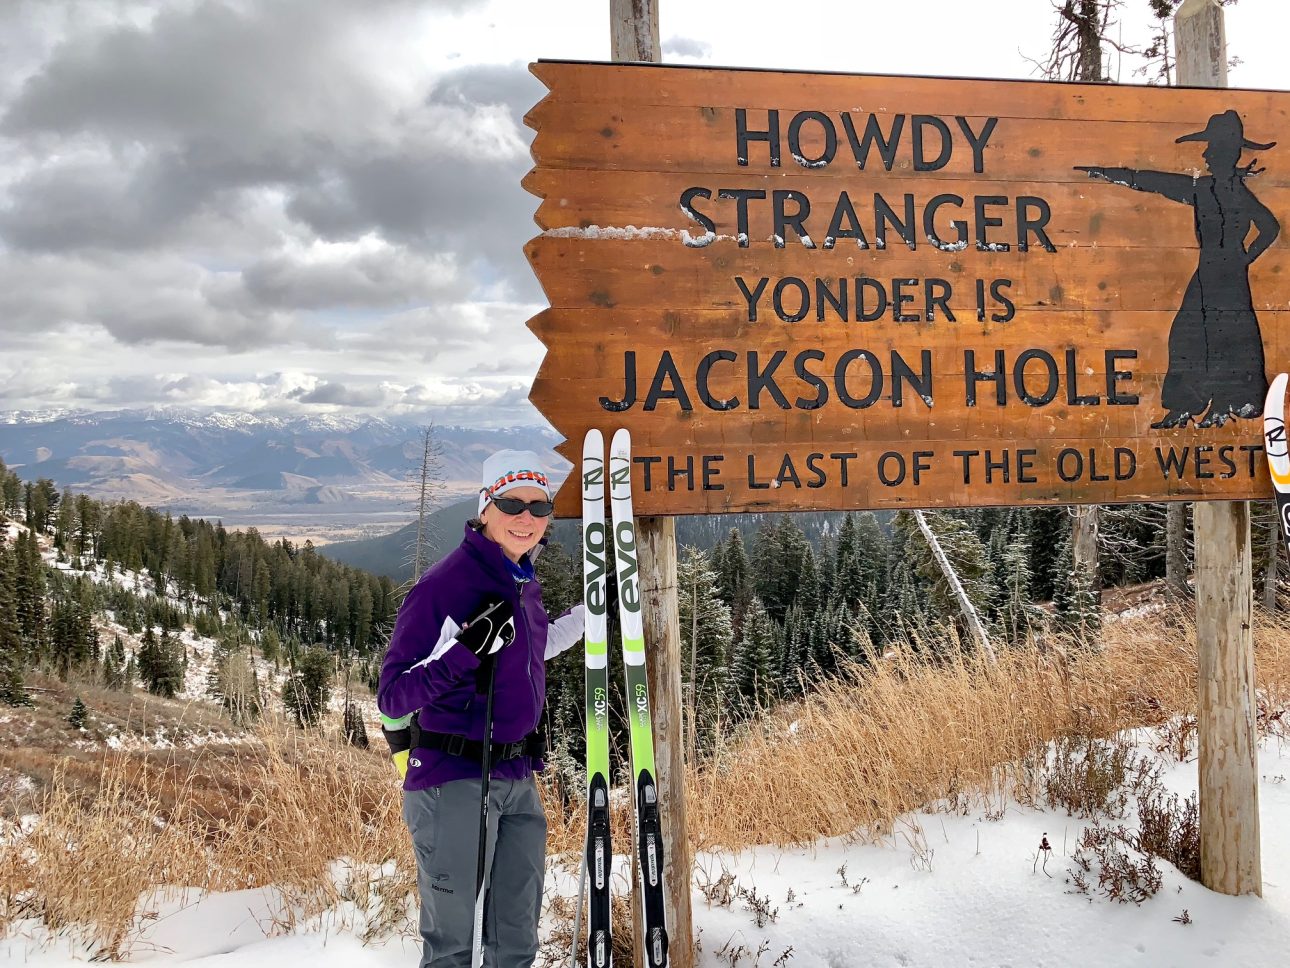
1176,550
1081,34
952,579
429,479
1267,510
1082,30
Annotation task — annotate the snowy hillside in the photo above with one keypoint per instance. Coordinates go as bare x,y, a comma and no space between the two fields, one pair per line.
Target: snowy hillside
200,649
944,890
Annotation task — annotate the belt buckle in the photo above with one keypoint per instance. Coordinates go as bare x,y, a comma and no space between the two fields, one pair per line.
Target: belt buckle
456,745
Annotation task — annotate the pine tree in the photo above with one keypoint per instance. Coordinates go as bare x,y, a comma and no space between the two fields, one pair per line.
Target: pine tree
706,636
561,576
809,595
754,670
30,593
871,547
778,553
307,690
13,689
271,646
1018,615
904,612
161,665
77,718
113,664
1046,528
73,640
65,523
796,666
355,730
1076,601
361,615
10,494
847,566
734,577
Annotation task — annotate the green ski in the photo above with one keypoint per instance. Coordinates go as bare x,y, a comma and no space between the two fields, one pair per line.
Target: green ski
649,838
595,560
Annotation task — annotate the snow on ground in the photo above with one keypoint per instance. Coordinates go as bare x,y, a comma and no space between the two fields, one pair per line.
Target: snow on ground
942,891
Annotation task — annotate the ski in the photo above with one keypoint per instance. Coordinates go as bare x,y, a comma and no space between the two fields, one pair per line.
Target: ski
1277,448
649,836
595,560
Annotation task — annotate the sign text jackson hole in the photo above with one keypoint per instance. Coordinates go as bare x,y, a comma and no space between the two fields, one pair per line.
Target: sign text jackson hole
841,291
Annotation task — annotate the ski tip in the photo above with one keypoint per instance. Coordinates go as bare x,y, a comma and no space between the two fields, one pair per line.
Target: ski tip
593,442
1275,443
1274,405
622,442
1277,393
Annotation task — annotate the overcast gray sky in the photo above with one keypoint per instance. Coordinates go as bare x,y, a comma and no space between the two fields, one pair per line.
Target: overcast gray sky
314,205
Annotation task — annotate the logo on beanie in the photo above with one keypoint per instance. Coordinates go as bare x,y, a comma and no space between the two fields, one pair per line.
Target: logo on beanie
513,477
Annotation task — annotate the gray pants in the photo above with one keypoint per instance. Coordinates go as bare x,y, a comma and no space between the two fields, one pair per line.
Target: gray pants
444,822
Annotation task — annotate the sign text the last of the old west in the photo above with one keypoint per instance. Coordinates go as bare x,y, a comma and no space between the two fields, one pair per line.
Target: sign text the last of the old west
838,291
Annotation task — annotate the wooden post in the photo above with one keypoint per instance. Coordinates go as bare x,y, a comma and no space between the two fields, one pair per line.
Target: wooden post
656,540
1200,44
633,26
1229,778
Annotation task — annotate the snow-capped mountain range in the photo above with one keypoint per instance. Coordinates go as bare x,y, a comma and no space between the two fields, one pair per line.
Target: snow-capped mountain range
253,468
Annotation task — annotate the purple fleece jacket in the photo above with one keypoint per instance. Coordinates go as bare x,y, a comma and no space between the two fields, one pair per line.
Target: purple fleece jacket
426,669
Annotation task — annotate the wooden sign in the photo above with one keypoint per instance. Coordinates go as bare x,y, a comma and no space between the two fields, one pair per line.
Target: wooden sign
804,291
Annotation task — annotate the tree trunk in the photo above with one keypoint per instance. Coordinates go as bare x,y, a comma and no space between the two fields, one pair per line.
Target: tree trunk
956,586
1274,557
1088,24
1084,543
1088,30
694,669
427,488
1176,550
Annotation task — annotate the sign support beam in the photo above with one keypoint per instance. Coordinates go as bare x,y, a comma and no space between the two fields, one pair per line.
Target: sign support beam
634,37
1229,777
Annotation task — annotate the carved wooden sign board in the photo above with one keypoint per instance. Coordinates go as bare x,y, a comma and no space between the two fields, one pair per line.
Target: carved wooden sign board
825,291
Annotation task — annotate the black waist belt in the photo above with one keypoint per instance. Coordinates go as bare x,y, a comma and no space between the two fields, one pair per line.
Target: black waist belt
534,745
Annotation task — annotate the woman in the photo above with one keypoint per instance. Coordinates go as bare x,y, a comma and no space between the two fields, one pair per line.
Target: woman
481,604
1215,345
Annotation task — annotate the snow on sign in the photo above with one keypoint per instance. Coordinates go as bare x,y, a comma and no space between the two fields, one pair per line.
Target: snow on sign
807,291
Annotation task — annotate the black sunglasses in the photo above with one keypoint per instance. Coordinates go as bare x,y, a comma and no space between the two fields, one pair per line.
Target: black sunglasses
513,506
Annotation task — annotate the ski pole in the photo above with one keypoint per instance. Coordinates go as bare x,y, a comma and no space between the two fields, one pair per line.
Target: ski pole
477,955
577,911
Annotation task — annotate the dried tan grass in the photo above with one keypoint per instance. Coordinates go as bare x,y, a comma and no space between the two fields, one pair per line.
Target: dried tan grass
908,731
276,812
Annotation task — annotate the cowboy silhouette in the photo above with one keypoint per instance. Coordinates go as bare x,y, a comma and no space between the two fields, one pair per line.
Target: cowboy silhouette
1215,345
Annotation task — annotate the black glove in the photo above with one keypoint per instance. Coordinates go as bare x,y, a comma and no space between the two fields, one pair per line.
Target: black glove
491,630
398,734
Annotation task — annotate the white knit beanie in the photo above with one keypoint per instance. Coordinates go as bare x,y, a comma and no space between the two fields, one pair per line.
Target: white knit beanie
509,469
